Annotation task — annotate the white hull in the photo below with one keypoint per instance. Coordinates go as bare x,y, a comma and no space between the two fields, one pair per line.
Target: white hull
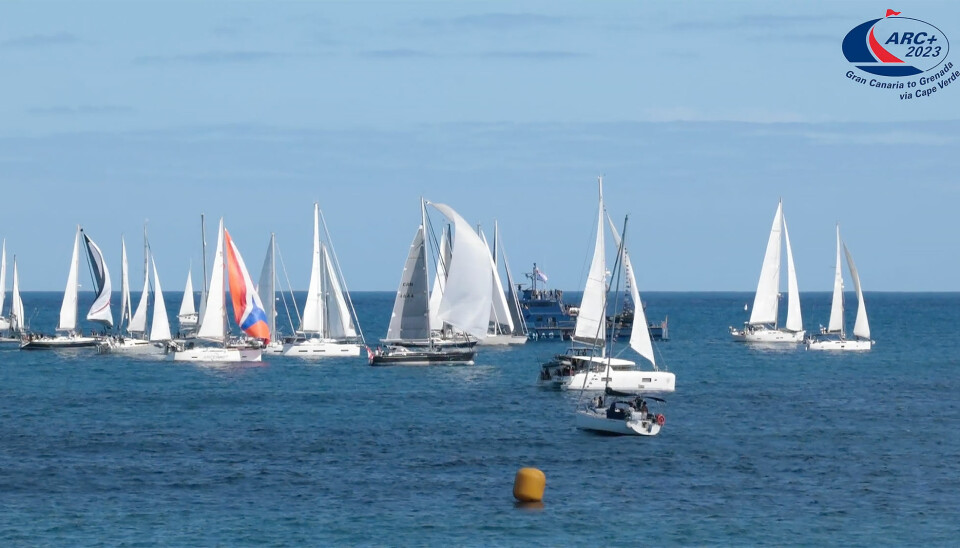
132,346
217,354
503,339
316,348
275,347
633,424
764,335
840,344
620,380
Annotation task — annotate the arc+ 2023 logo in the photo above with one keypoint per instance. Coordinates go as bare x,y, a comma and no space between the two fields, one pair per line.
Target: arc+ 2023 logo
897,53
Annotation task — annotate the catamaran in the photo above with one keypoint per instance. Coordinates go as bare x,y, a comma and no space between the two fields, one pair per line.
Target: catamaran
464,304
329,326
762,326
68,336
833,337
587,365
247,308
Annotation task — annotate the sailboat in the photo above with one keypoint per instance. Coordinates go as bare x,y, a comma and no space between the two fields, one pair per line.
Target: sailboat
762,326
4,321
69,336
136,340
463,308
587,365
248,310
329,326
187,316
18,320
833,337
503,329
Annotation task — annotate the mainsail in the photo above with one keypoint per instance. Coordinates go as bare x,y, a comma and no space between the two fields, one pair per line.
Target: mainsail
500,310
68,308
267,286
440,278
186,306
313,316
212,323
766,301
17,319
410,318
794,318
591,320
125,302
339,320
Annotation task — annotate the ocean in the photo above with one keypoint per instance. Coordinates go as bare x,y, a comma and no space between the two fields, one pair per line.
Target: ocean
760,446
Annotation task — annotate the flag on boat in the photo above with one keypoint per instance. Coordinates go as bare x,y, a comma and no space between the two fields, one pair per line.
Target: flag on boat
247,308
539,274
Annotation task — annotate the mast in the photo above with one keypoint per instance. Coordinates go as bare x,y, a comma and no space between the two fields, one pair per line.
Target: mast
203,255
426,252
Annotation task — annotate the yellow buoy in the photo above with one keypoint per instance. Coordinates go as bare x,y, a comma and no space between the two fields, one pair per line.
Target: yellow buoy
529,485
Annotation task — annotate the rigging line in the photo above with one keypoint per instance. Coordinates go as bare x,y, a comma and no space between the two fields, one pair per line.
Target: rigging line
290,289
343,279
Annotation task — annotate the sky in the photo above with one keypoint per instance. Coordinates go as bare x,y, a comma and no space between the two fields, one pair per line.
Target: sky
699,115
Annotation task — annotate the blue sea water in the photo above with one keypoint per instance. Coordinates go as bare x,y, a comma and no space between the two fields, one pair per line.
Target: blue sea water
760,446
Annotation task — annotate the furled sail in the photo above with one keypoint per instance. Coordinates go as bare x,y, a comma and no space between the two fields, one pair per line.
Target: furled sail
410,318
100,309
467,297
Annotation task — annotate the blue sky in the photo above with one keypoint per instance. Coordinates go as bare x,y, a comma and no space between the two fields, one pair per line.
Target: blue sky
700,115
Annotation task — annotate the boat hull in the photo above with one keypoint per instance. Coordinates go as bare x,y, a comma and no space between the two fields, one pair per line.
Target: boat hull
840,344
619,380
412,357
503,339
218,354
315,348
59,342
764,335
596,420
138,347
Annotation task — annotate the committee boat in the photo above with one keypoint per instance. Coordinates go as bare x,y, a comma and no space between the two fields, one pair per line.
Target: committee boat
834,336
763,326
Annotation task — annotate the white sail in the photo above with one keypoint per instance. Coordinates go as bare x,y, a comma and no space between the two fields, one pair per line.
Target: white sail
138,323
794,318
466,297
313,314
640,332
212,323
592,318
160,327
17,319
186,306
125,302
836,310
68,309
266,287
440,279
100,309
513,301
500,310
339,320
3,275
410,318
861,328
765,302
